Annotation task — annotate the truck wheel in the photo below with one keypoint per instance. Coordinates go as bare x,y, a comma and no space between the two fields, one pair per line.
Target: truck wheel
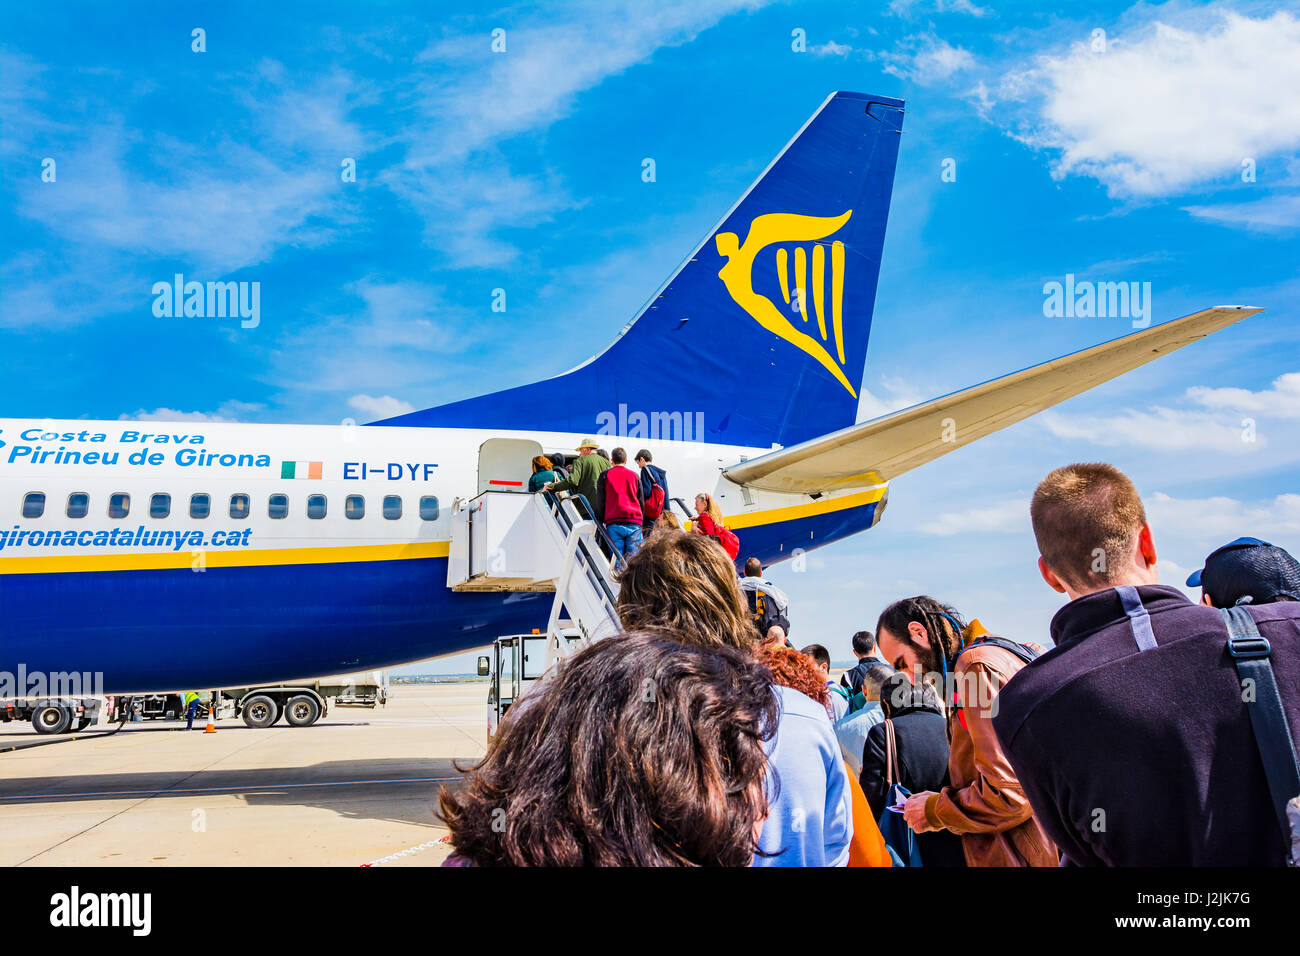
261,711
302,711
51,719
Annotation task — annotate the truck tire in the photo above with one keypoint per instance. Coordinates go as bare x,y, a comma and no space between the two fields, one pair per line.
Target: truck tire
51,719
302,711
261,711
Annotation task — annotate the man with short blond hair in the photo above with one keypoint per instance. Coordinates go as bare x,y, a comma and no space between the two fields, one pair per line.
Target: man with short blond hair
1133,737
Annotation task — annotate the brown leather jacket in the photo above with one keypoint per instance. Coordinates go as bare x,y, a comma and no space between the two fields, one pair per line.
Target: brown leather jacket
985,803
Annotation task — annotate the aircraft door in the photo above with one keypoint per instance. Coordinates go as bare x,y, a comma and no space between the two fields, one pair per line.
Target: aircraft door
506,464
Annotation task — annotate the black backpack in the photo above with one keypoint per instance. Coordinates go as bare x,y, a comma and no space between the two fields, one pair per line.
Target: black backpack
766,613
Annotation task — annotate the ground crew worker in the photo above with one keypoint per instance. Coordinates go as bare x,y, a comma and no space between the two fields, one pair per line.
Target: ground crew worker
191,700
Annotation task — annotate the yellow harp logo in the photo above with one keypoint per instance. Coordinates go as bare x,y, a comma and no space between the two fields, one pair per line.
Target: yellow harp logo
737,276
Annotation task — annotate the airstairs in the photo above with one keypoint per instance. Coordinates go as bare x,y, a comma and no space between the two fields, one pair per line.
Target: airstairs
508,541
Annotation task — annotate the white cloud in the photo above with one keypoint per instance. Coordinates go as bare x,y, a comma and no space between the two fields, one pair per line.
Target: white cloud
401,313
546,64
1282,400
1220,519
230,411
894,395
831,48
397,339
1271,214
926,59
1155,429
906,8
376,407
1006,516
476,99
1166,107
1175,575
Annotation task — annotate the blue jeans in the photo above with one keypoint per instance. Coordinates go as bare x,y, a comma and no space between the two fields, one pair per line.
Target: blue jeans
626,538
189,714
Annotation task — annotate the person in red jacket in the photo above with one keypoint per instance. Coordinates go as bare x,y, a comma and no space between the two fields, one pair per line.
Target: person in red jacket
621,504
710,523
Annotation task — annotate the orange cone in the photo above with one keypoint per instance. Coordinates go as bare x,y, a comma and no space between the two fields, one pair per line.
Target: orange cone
211,728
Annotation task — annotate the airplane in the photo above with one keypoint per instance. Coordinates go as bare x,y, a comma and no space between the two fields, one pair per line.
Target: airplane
164,555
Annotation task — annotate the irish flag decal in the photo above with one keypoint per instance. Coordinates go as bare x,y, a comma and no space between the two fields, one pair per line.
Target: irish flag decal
300,469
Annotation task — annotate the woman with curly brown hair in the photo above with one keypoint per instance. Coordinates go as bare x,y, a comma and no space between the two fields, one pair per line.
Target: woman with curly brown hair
641,751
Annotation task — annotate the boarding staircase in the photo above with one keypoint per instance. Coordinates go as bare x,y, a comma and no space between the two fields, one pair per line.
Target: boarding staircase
515,542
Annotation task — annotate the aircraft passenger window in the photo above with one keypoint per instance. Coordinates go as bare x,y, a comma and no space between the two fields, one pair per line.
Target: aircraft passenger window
160,506
200,505
392,507
78,504
119,504
429,508
239,506
277,506
315,506
34,505
354,506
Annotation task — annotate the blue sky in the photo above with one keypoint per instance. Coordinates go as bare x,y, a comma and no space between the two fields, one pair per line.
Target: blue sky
1116,157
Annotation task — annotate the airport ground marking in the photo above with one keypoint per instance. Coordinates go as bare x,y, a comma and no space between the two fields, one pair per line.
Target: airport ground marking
126,809
409,851
268,788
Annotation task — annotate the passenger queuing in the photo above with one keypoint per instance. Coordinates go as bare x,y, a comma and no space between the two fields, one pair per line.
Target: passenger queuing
1129,743
864,649
684,583
709,522
667,522
767,602
543,474
983,802
654,491
620,504
1247,571
1184,714
660,743
909,747
837,703
584,473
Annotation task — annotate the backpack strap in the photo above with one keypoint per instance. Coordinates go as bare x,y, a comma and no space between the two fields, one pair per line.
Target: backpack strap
891,755
1250,652
1026,654
1138,618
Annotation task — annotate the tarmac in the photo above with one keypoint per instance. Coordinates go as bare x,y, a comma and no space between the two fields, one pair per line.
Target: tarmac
359,787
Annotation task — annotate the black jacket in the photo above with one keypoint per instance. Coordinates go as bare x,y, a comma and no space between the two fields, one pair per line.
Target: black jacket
1136,757
854,676
921,738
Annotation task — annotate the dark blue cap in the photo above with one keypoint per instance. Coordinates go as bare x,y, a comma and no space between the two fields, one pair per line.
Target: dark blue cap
1248,571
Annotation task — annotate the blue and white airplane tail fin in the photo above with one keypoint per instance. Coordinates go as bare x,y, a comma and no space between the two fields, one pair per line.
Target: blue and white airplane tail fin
760,337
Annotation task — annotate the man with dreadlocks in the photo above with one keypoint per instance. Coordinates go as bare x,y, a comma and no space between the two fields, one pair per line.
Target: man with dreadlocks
984,803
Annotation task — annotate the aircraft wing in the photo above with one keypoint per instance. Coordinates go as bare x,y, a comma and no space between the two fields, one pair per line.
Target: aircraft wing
873,452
